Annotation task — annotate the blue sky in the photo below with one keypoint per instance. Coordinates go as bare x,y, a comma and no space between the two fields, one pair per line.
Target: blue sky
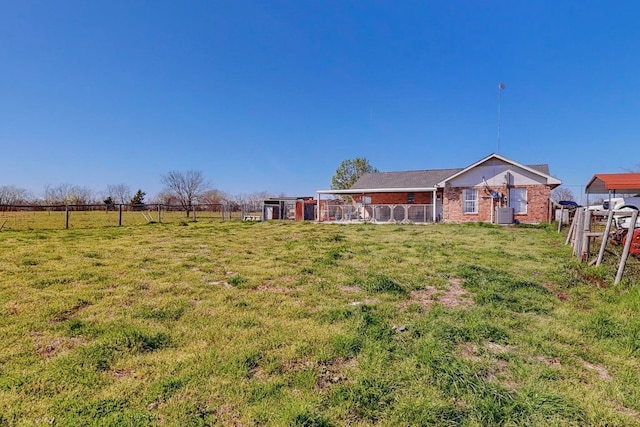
273,95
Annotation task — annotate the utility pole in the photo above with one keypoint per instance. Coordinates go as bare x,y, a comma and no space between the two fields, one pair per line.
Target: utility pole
500,88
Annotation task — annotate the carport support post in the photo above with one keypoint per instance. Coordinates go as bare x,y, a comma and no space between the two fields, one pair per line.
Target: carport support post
627,246
318,208
605,238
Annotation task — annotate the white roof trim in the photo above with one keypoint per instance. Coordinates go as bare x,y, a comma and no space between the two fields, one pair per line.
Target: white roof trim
550,180
376,190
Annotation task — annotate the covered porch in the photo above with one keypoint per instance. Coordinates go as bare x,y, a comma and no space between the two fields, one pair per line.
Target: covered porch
398,205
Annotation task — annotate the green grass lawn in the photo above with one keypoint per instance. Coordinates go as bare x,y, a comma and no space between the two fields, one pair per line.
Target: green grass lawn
297,324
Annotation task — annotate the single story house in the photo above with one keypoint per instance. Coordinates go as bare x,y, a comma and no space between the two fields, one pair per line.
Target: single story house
494,189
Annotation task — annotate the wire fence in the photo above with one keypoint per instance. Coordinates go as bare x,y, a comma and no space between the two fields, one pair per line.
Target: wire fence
405,213
50,217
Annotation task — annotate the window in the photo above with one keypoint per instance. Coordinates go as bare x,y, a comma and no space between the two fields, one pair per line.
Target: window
470,200
518,200
410,197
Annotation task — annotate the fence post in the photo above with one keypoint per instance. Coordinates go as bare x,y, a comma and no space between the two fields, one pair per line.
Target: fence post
66,214
195,219
561,218
120,215
605,238
159,209
586,240
627,247
577,237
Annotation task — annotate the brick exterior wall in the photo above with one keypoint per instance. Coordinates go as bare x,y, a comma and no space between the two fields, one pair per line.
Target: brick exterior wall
395,198
537,206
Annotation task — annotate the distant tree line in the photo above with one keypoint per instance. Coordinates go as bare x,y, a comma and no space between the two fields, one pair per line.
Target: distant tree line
187,190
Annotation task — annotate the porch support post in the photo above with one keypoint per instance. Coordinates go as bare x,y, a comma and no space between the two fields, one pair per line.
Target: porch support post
433,205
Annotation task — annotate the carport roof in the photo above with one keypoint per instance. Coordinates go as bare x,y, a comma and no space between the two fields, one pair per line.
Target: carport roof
602,183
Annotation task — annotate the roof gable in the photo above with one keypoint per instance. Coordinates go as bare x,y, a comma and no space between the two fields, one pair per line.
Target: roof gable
541,171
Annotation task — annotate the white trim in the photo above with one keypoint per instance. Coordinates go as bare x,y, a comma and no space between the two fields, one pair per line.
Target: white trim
475,201
550,180
526,200
378,190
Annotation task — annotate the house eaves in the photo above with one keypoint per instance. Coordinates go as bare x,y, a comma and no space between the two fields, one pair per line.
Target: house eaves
378,190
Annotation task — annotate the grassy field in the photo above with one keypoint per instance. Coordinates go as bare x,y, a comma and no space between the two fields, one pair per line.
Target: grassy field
32,220
298,324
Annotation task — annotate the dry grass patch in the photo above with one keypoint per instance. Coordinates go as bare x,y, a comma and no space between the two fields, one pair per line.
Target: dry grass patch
453,296
48,347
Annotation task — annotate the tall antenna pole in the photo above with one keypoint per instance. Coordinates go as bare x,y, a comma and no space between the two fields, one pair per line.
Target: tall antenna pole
500,87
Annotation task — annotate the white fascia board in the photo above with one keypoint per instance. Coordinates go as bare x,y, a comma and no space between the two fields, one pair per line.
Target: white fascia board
377,190
550,180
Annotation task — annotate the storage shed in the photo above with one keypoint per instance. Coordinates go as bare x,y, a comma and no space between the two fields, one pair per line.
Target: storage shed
289,208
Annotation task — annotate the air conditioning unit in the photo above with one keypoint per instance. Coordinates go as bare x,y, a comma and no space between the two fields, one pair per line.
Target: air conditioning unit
504,215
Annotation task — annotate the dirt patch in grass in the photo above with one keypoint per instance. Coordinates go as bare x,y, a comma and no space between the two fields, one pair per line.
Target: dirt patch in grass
452,297
553,361
496,348
276,286
496,370
330,372
599,282
600,370
333,372
562,296
628,411
122,373
297,365
469,351
49,347
222,283
70,312
228,415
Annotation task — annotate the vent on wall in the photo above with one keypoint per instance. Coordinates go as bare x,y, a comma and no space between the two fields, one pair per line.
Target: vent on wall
504,215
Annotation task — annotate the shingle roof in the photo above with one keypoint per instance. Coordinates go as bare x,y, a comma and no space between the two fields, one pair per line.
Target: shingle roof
540,168
406,179
415,179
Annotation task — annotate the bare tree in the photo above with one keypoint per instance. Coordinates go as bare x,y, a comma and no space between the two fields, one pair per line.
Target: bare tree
186,186
214,197
166,198
68,194
561,193
119,193
12,195
249,202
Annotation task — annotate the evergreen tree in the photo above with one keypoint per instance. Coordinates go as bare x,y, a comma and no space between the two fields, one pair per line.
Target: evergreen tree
138,198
